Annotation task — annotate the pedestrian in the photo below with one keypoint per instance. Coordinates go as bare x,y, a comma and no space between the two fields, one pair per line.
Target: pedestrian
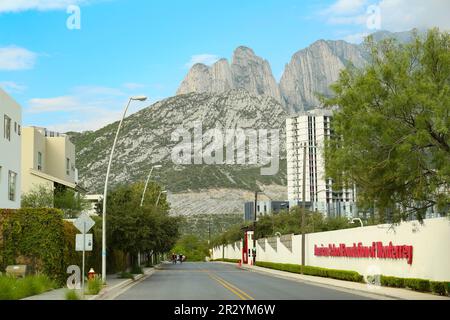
180,257
174,258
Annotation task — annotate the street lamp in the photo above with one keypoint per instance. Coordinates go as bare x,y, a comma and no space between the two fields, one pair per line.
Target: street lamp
137,98
159,196
142,199
357,219
148,179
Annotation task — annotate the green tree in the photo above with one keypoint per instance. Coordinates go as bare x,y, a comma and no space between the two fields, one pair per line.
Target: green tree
133,228
69,201
38,197
192,247
392,128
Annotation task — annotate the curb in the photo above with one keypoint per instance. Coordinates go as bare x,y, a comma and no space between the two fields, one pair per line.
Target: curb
105,293
291,276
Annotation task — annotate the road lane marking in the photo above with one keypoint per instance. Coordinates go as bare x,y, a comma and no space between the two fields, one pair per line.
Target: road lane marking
228,287
236,288
240,293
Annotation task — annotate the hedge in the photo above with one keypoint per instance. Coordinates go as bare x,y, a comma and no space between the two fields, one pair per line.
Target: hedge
38,238
314,271
421,285
440,288
227,260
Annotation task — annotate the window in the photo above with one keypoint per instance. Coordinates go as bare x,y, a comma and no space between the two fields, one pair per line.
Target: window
15,127
68,166
12,180
7,128
19,131
39,161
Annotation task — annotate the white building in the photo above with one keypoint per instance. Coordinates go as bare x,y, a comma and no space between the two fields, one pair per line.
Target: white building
10,152
95,202
312,128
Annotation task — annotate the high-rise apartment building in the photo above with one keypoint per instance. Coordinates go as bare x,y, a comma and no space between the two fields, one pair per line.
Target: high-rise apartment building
313,128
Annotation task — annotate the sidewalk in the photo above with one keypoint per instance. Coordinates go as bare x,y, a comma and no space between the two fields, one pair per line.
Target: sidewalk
113,283
393,293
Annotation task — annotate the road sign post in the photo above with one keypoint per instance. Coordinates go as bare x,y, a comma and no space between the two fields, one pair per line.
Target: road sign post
84,223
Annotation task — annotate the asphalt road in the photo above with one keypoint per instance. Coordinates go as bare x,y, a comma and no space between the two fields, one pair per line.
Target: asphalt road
215,281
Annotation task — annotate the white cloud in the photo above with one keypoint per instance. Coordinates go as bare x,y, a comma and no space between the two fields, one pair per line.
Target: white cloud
56,104
12,87
40,5
204,58
16,58
133,85
346,7
396,15
402,15
85,108
356,38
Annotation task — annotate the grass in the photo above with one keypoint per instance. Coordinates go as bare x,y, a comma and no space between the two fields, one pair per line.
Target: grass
94,286
137,270
18,288
72,295
126,275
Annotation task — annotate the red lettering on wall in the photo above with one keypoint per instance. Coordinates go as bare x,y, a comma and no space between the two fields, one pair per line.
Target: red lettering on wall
376,250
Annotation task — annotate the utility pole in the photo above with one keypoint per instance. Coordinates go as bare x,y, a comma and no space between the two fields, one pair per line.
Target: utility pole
254,229
303,206
209,230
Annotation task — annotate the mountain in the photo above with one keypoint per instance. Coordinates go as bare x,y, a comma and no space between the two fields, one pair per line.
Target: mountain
145,139
241,94
311,71
314,69
246,71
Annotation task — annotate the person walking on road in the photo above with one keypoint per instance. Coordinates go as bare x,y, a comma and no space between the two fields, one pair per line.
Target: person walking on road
174,258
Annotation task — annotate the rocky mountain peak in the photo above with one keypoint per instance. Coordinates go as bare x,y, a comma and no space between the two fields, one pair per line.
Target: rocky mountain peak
243,52
247,71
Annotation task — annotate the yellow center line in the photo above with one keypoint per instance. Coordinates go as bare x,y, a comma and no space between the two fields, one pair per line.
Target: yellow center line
240,293
227,287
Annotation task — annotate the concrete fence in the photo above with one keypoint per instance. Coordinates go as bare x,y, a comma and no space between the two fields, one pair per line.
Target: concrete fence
409,250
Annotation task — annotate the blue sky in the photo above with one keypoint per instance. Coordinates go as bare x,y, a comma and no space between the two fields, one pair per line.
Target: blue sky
79,79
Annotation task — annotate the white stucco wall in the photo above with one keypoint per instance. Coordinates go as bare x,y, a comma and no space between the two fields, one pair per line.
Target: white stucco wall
430,241
10,151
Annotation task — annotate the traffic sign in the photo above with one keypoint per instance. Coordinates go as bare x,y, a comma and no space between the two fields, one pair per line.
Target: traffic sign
84,223
88,242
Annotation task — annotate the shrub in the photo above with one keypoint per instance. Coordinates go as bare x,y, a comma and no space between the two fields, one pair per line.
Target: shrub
35,237
94,286
314,271
393,282
126,275
418,285
438,287
137,270
72,295
227,260
15,289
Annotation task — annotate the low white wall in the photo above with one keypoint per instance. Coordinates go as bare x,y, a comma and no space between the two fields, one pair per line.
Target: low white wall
430,242
232,251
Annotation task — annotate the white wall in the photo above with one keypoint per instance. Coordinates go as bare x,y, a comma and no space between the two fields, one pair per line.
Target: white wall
10,151
430,241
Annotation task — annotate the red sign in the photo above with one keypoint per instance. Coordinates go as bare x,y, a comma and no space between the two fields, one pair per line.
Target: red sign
377,250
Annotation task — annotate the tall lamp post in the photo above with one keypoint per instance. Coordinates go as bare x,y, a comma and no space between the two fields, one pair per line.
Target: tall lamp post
146,182
159,196
142,199
138,98
357,219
